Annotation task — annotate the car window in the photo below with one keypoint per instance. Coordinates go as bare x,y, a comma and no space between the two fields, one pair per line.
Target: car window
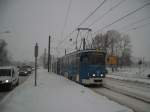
5,72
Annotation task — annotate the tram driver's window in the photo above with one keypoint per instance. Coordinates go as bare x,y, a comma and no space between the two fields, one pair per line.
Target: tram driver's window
84,60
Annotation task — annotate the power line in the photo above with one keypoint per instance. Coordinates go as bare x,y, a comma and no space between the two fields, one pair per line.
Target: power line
121,18
65,23
111,9
135,22
84,20
66,17
138,27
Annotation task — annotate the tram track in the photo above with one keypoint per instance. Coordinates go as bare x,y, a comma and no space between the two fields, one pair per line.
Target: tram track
133,89
127,93
135,103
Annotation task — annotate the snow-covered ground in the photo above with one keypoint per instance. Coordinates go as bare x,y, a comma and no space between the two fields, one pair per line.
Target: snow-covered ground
54,93
131,73
131,81
130,88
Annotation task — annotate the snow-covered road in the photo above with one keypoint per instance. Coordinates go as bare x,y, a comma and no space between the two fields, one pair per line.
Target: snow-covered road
135,104
132,93
54,93
3,92
131,88
132,73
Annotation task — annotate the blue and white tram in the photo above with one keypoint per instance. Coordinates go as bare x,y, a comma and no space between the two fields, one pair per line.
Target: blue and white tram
85,66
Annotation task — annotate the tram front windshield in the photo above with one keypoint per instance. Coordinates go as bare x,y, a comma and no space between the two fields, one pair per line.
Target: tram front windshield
93,58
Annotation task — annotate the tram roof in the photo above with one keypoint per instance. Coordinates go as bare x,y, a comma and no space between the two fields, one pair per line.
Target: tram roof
87,50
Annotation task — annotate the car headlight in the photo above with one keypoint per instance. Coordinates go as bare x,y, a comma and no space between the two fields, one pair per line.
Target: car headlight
93,75
6,81
102,75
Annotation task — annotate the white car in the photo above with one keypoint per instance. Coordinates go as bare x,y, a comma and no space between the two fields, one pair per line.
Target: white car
8,77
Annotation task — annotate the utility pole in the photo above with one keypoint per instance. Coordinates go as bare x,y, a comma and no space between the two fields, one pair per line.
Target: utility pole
65,52
49,55
112,53
36,55
44,60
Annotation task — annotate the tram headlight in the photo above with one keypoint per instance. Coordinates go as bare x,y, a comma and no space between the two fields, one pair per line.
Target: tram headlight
102,75
94,75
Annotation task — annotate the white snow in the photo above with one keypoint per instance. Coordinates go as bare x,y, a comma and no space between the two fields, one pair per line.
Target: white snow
130,88
146,81
54,93
131,74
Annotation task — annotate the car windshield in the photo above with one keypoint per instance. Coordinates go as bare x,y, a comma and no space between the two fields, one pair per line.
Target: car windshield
5,72
23,69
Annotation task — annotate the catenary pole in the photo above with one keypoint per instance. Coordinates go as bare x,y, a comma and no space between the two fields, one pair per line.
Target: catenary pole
49,56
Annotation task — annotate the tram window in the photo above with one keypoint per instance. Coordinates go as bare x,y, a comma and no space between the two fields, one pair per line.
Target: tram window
84,59
97,59
92,58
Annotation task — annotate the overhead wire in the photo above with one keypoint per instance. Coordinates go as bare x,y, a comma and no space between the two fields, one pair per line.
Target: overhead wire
66,17
111,9
135,22
138,27
83,21
123,17
65,22
107,12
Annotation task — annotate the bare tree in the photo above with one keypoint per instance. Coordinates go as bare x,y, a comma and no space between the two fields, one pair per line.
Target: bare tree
125,50
4,58
101,41
114,37
115,44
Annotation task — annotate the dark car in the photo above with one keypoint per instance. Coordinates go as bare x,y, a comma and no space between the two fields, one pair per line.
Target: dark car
23,72
27,68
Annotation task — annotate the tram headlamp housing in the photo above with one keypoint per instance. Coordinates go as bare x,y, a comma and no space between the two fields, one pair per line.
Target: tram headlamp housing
102,75
94,75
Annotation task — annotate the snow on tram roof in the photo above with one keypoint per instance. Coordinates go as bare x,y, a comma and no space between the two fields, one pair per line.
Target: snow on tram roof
86,50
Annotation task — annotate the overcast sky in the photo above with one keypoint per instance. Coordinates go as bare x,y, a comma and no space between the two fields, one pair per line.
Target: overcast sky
31,21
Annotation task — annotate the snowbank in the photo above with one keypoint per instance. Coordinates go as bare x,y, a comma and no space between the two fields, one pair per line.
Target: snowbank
131,74
146,81
54,93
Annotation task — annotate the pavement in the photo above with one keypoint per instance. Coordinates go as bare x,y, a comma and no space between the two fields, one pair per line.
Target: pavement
55,93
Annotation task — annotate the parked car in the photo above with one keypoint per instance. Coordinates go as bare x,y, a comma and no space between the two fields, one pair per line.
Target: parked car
29,70
23,72
9,77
